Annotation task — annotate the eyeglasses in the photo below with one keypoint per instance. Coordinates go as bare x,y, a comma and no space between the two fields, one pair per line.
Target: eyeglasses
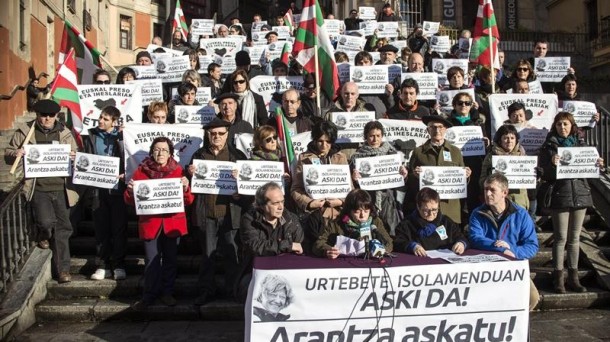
160,151
220,134
523,69
463,103
270,139
239,81
429,211
50,115
102,82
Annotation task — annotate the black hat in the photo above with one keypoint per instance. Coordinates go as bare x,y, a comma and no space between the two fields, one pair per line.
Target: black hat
270,33
436,118
46,106
388,48
242,58
225,96
143,54
216,122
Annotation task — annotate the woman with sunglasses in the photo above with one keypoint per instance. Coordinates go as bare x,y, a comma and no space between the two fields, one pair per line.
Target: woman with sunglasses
523,72
250,104
266,147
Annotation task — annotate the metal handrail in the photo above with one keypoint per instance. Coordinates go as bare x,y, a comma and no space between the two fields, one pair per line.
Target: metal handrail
14,235
600,135
21,87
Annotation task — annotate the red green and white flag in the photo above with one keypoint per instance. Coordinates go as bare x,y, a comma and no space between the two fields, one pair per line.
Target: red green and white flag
284,137
486,37
180,22
64,92
87,56
310,36
289,19
285,57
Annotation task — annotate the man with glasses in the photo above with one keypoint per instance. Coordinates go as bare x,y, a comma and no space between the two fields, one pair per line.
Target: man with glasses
227,104
295,122
217,216
435,152
353,22
50,197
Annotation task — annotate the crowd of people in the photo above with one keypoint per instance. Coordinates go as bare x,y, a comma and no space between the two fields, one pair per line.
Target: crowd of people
288,219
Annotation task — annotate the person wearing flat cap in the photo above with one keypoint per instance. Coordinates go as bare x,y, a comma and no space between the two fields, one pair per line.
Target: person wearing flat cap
387,54
227,105
49,197
436,151
216,217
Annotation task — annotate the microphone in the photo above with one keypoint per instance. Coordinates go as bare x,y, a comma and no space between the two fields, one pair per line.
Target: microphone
365,233
376,249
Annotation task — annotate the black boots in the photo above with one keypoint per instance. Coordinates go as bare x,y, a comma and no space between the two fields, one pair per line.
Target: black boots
574,282
558,281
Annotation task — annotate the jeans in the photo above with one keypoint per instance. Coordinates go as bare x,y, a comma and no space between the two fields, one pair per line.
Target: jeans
110,222
219,234
567,224
161,266
52,222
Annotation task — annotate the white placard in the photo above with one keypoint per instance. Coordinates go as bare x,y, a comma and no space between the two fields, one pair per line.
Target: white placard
368,27
469,139
445,98
427,83
243,142
46,160
255,52
378,173
519,170
543,108
365,12
399,43
145,72
583,112
213,177
222,51
350,125
327,181
440,66
449,182
430,28
252,174
200,115
274,50
283,32
334,27
344,72
551,69
465,44
98,171
350,43
266,86
138,137
152,90
405,130
152,47
474,259
577,162
202,27
158,196
300,141
125,97
440,44
371,79
173,65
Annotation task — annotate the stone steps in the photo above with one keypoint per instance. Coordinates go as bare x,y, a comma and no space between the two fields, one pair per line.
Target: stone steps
134,264
85,245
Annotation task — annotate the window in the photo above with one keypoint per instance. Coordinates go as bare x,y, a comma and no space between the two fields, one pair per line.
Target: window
125,29
22,24
72,6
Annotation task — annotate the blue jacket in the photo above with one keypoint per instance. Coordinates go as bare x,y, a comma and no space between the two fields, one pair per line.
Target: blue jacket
517,230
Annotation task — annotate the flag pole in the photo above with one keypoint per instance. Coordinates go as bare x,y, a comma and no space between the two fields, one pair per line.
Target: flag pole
491,59
108,63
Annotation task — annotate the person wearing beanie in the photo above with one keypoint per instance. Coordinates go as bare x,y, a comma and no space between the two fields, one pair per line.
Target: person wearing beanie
243,62
143,58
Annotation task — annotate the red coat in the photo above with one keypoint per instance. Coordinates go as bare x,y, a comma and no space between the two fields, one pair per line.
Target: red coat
174,225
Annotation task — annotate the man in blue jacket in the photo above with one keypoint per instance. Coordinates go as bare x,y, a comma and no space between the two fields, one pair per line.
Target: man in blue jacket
500,225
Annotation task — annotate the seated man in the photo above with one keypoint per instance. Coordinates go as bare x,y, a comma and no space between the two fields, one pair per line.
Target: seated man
500,225
267,229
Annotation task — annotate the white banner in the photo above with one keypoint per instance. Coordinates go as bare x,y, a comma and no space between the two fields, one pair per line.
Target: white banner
137,138
445,98
449,182
440,302
583,112
440,44
266,86
327,181
430,28
334,27
365,12
125,97
519,170
350,125
283,32
98,171
201,115
370,79
158,196
243,142
46,160
469,139
152,90
202,27
440,67
222,51
350,43
387,29
368,27
577,162
378,173
551,69
213,177
255,173
427,83
405,130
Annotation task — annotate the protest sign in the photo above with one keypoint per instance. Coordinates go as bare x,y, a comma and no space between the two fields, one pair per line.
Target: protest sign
255,52
394,72
366,13
283,32
440,44
445,98
449,182
202,27
98,171
378,173
243,142
344,72
327,181
371,79
368,26
256,26
152,47
125,97
158,196
405,130
577,162
583,112
300,142
542,108
252,174
519,170
200,115
274,50
46,160
400,44
138,137
171,69
387,29
427,83
350,43
465,44
334,27
203,95
350,125
268,86
440,66
258,38
152,90
469,139
213,177
430,28
551,69
222,51
145,72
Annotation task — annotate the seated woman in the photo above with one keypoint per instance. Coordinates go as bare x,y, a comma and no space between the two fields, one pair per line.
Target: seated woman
358,215
426,228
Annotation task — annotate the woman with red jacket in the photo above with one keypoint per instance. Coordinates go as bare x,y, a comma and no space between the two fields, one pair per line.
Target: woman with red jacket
160,232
